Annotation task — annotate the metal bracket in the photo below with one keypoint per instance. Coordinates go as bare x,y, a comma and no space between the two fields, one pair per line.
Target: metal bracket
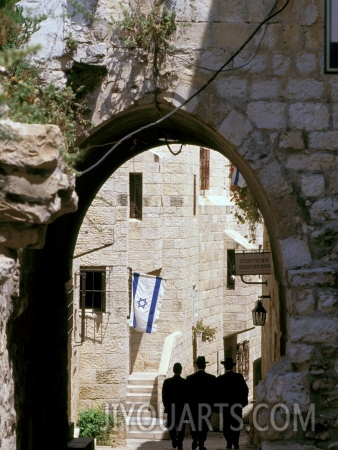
254,282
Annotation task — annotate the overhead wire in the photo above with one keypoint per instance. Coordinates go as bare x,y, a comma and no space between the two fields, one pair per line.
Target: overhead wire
195,94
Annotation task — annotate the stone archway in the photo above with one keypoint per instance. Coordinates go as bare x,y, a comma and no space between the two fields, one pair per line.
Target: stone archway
41,390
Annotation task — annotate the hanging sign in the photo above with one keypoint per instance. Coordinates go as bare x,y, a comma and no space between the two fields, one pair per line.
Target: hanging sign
253,263
331,36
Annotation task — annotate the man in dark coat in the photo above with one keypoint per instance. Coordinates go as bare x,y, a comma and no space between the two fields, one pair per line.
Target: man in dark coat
232,395
174,397
201,397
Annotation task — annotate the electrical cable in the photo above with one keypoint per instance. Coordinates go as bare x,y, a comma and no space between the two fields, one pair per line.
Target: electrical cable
205,85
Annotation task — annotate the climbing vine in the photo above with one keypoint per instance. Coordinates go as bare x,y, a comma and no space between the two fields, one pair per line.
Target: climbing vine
249,212
148,32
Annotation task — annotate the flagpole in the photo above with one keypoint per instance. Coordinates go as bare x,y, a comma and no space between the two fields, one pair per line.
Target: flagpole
130,281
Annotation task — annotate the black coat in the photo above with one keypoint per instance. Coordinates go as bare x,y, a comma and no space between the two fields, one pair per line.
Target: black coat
231,388
174,392
201,388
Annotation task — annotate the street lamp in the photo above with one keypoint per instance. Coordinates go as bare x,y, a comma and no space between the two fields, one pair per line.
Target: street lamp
259,312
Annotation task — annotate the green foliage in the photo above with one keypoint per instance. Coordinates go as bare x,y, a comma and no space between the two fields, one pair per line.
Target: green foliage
28,99
147,31
29,102
250,213
95,423
71,43
16,28
208,333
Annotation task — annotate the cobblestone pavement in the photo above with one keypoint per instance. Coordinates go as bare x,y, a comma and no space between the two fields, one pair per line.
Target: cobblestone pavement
215,441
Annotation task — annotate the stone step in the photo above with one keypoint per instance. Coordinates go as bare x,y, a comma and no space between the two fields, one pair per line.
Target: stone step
140,388
141,397
142,378
140,409
141,404
145,424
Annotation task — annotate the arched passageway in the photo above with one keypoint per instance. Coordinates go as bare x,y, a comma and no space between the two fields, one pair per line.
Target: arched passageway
41,389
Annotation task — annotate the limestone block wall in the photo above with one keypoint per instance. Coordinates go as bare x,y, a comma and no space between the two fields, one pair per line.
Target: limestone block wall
187,247
273,111
36,188
98,364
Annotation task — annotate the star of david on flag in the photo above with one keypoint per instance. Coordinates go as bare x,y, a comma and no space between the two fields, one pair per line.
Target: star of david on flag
147,294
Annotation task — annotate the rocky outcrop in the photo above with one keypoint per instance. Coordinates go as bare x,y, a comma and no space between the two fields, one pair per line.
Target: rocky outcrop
35,187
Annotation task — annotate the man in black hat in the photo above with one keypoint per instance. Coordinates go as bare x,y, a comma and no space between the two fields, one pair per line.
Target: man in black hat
173,398
201,398
232,396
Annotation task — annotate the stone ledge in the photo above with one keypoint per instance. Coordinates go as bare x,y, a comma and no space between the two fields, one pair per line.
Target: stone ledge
36,187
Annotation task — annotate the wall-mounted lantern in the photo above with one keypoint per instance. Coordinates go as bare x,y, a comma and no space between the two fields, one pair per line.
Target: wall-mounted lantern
259,312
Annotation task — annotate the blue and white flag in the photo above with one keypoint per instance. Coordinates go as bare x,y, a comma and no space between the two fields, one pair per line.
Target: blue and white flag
147,298
236,177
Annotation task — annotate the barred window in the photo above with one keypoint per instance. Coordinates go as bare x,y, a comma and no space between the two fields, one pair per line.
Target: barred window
243,359
93,288
135,195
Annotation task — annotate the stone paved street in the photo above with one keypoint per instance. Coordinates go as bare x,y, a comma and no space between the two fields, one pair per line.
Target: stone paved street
215,441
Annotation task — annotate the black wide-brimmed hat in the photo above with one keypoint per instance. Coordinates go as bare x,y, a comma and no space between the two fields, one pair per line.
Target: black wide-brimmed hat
228,362
200,360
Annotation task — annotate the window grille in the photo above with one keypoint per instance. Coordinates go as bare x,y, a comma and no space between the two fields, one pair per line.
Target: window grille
93,288
135,196
242,357
204,168
70,310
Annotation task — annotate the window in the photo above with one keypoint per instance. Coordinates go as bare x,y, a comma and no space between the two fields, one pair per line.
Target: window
204,168
230,269
243,359
93,288
135,195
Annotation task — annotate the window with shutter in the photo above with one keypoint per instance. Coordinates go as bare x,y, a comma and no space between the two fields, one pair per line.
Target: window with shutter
135,196
204,168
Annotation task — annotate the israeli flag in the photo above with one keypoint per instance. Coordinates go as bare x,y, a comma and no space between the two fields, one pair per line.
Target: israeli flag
147,298
236,177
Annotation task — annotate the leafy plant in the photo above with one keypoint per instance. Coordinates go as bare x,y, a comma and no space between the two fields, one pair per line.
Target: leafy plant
208,333
250,213
30,101
71,43
95,423
148,31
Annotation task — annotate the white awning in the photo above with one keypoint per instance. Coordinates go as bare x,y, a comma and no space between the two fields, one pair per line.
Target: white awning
234,239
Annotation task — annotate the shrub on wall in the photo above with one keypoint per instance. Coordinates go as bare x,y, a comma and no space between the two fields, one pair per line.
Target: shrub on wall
22,90
96,423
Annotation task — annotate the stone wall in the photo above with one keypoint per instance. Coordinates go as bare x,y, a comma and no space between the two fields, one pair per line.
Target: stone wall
36,188
271,110
185,246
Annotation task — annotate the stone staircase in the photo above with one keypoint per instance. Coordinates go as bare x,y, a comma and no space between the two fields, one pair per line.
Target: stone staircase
141,408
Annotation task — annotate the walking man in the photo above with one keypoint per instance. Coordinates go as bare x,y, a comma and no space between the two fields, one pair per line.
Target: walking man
173,398
232,395
201,398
